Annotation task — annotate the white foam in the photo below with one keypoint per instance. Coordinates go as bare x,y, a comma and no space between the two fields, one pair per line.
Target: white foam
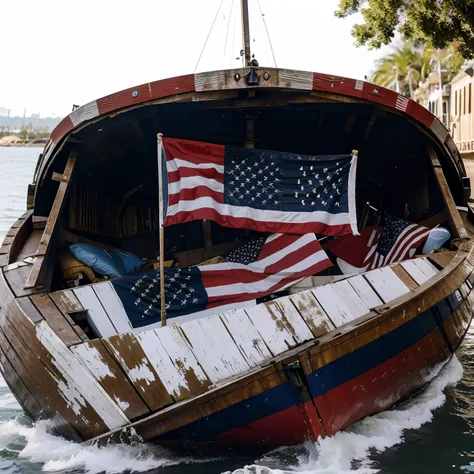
8,401
57,454
337,454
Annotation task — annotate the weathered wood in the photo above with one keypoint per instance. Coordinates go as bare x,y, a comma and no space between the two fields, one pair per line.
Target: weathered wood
105,369
273,330
312,312
129,354
404,276
17,278
29,309
79,379
68,304
96,315
443,258
173,360
113,307
334,307
59,200
351,298
58,323
67,236
214,348
418,271
387,285
30,247
246,337
18,388
454,219
365,291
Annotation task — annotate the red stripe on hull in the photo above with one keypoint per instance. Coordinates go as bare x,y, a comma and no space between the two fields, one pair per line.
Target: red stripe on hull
294,425
379,388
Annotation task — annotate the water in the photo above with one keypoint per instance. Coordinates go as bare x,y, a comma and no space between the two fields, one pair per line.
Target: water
432,433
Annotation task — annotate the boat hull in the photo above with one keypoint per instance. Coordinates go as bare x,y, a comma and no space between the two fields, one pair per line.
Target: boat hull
314,389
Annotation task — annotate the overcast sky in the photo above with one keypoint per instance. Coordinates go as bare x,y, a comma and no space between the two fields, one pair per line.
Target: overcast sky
55,53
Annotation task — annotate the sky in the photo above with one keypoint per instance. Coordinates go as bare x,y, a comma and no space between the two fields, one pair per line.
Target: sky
56,53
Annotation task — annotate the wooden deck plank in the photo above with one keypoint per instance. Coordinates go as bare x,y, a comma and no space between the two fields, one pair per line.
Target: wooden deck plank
56,320
365,291
351,298
313,313
113,307
214,348
58,204
16,280
292,319
418,271
404,276
387,285
246,336
79,379
31,245
272,329
129,354
30,309
190,375
98,318
334,307
105,369
442,258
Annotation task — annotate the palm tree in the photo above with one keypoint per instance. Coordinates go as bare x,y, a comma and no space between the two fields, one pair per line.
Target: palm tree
405,66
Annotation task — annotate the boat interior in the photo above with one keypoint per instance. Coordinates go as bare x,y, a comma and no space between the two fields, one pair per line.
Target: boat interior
112,200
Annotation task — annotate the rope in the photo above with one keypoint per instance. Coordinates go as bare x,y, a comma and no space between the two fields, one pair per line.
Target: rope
268,35
227,32
209,34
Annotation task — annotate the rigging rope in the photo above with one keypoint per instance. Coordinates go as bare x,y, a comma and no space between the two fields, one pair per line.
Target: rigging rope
209,34
227,32
268,35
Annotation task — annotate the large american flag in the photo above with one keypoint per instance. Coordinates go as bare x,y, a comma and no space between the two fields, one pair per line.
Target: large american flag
258,268
267,191
377,246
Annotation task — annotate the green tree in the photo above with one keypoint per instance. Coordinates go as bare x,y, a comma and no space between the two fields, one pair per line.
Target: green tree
23,133
402,69
438,22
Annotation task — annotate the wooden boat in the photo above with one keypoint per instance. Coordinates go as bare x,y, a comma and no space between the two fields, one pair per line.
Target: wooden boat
303,365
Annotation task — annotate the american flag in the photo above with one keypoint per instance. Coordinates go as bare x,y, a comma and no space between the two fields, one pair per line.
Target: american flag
267,191
377,247
256,269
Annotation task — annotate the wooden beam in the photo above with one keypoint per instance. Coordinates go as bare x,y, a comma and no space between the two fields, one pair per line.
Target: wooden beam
454,219
35,274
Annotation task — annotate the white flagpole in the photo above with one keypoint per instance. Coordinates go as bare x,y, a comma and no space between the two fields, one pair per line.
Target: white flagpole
161,229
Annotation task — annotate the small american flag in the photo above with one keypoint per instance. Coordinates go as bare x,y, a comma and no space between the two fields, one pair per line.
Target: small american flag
256,269
262,190
397,241
377,247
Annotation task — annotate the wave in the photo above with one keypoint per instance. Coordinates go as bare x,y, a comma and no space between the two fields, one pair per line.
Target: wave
349,450
57,454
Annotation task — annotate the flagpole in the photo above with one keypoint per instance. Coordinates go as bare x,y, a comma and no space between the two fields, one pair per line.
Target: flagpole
161,229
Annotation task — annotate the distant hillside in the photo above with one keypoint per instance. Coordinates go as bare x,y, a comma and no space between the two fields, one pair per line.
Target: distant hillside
15,123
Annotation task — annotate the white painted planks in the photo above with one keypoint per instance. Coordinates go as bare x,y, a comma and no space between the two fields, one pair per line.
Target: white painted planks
312,312
173,360
98,318
333,305
365,291
246,337
113,307
79,385
386,283
214,348
351,298
419,269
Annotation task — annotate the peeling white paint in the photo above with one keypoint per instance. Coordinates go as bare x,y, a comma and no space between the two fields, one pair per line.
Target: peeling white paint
141,372
123,405
92,359
77,380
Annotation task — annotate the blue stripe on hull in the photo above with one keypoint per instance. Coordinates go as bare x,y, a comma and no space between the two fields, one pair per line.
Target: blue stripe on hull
322,380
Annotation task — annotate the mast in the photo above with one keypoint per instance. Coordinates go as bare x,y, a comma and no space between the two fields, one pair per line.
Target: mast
245,31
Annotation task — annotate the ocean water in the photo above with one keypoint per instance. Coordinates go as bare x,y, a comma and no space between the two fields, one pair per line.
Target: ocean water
431,433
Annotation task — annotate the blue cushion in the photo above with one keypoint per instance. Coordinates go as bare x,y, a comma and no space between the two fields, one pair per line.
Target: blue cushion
106,262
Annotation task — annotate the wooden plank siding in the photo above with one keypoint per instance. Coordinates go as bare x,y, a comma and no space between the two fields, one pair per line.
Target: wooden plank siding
58,204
